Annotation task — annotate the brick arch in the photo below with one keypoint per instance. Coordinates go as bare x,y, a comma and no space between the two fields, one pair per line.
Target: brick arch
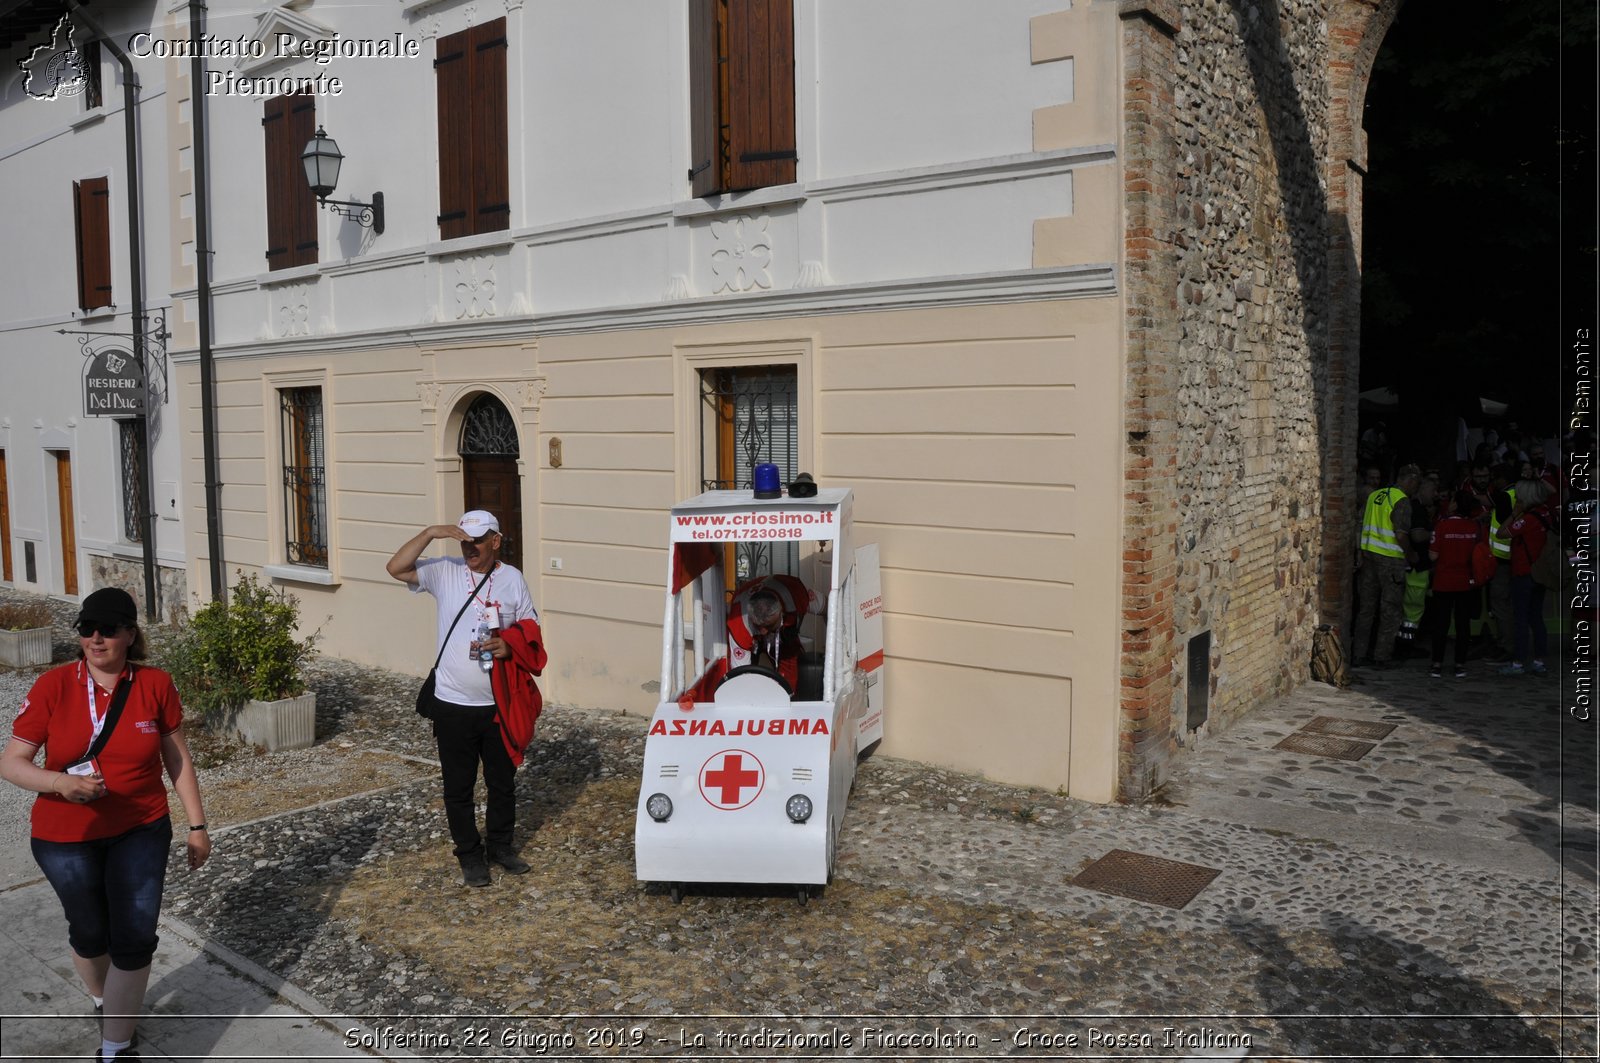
1356,29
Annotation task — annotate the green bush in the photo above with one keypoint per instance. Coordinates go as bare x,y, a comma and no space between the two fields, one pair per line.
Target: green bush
238,651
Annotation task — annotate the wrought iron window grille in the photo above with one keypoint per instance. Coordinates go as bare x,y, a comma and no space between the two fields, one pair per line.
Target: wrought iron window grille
304,477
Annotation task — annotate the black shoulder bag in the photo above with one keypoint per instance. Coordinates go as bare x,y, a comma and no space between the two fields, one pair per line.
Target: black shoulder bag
119,698
425,695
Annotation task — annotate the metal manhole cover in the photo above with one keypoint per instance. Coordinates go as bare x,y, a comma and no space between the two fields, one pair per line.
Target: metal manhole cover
1325,746
1333,725
1145,878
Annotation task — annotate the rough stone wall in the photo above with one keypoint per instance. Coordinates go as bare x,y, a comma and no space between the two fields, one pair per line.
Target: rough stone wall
1247,233
171,583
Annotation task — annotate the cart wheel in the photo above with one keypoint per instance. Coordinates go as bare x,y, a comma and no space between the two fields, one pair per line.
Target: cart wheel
803,894
676,889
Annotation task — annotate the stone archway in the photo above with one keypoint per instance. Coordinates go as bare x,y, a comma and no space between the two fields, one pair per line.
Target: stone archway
1356,29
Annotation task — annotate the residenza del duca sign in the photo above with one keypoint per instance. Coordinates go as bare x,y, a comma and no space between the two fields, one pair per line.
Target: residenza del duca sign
113,386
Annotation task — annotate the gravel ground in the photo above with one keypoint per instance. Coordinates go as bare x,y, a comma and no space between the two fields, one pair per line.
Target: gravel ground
952,904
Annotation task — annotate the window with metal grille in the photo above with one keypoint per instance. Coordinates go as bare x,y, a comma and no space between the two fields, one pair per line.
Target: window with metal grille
131,447
750,415
487,429
304,473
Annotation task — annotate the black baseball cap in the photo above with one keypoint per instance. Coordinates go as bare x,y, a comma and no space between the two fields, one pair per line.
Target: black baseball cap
109,605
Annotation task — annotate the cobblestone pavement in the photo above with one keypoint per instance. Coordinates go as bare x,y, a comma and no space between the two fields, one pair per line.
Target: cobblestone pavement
1434,898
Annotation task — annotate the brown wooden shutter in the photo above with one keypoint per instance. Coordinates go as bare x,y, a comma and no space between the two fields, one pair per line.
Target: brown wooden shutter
761,91
91,208
452,75
275,135
303,209
288,123
705,120
491,179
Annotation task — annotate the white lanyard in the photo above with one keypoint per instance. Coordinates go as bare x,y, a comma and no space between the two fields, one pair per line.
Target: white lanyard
97,720
487,589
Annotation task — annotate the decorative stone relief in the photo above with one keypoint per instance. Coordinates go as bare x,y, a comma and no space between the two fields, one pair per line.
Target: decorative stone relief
533,392
428,393
293,313
743,254
475,290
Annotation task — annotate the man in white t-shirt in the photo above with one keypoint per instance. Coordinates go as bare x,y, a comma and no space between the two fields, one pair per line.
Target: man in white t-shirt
495,596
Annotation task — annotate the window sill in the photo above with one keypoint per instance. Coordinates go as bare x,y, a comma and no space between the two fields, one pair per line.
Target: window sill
734,202
291,275
300,574
462,245
88,118
99,313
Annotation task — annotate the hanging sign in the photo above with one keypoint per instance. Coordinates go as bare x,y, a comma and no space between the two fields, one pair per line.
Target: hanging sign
113,386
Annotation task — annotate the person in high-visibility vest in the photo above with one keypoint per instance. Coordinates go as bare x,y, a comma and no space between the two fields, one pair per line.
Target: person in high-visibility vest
1385,555
1503,499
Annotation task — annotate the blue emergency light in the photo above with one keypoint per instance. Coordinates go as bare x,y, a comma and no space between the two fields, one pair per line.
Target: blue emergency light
767,482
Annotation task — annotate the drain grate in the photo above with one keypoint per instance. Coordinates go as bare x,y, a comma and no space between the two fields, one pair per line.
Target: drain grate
1325,746
1145,878
1333,725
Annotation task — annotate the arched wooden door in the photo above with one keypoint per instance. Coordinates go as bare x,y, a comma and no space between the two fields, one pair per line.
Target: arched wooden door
489,479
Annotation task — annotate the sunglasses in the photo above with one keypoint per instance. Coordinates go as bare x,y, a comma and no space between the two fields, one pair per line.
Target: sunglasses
87,630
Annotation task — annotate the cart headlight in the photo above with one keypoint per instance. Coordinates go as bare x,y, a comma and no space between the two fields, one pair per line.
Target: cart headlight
659,806
798,807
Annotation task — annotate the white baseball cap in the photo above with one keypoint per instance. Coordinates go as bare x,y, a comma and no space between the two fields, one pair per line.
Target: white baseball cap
478,522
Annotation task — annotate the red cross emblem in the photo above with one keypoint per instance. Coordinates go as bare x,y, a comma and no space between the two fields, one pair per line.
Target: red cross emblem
727,776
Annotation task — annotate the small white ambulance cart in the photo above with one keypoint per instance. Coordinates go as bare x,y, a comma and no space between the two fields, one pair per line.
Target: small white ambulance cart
745,780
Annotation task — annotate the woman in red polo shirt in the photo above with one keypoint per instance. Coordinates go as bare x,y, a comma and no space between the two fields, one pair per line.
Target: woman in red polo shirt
101,831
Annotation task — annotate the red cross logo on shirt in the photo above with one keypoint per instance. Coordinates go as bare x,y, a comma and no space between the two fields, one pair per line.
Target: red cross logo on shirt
727,776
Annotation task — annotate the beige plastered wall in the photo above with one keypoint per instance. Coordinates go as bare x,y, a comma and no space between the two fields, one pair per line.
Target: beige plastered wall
981,443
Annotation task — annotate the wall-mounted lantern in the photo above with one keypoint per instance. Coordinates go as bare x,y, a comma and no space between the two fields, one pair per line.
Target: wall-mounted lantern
321,160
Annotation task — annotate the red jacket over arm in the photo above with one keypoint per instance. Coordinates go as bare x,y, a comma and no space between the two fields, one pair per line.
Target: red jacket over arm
516,695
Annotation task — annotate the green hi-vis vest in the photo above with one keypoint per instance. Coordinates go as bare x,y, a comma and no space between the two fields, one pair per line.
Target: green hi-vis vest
1377,523
1501,547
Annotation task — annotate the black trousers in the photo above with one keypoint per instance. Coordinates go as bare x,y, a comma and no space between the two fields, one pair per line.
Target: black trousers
1461,606
467,735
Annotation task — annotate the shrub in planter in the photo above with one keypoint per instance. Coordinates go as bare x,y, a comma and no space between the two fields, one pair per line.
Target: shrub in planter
24,635
231,657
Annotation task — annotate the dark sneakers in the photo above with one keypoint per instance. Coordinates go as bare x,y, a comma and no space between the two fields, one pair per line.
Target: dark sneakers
508,859
474,870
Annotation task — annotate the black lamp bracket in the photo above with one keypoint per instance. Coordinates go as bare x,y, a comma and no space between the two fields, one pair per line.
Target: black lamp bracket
367,215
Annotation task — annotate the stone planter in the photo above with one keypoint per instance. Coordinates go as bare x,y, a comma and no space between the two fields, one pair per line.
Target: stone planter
287,724
25,648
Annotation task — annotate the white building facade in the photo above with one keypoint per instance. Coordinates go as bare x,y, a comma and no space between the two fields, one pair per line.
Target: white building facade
71,455
1065,291
628,249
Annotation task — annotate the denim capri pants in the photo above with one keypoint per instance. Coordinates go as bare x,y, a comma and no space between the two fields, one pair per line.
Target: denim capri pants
110,889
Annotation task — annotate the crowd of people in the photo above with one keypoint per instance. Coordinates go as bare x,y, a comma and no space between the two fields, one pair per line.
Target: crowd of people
1463,557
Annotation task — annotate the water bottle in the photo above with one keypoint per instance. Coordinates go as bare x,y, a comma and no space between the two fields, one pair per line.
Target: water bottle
488,630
